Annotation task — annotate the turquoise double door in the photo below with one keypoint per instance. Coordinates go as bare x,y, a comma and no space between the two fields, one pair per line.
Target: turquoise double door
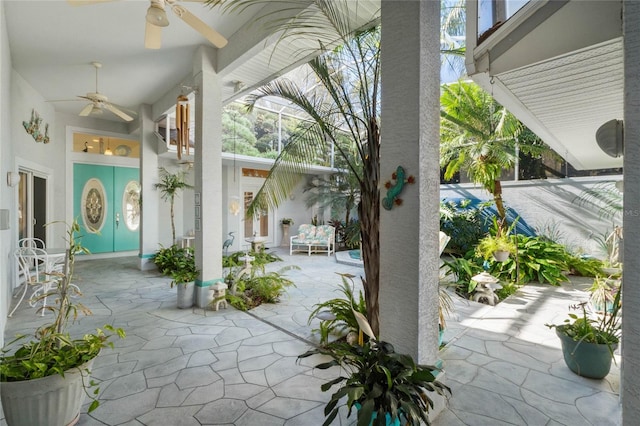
106,202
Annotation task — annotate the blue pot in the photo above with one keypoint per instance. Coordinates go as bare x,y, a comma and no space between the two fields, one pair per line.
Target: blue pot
586,359
389,422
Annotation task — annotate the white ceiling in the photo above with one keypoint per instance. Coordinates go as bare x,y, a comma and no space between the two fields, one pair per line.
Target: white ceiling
558,66
53,43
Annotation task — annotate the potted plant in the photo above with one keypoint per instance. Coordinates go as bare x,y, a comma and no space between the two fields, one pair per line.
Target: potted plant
380,383
497,243
179,264
603,293
44,381
169,185
287,221
588,341
184,279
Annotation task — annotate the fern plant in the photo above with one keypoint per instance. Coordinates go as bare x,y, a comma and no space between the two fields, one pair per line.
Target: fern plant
344,319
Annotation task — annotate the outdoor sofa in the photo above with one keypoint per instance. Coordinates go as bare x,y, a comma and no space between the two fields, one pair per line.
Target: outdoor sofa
313,239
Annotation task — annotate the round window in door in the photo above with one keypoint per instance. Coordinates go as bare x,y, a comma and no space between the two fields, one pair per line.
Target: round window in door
94,205
131,205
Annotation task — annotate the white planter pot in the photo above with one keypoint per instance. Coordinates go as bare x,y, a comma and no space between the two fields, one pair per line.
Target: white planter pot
500,256
48,401
186,293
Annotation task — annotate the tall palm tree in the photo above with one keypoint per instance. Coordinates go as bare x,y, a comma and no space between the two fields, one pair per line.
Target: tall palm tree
344,102
452,36
169,185
478,135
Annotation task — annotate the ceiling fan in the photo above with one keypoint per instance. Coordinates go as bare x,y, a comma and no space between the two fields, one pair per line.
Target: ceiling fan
157,18
98,101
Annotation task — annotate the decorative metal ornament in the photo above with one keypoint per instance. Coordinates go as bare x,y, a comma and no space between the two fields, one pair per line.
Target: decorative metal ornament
395,189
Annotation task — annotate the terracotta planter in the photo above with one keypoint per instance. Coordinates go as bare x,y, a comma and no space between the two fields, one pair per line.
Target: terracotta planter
586,359
51,400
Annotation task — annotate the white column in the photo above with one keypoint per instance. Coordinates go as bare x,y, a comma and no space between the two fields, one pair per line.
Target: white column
410,135
150,196
630,380
208,174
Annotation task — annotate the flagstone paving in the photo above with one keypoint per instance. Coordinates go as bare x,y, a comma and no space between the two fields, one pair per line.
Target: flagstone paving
196,367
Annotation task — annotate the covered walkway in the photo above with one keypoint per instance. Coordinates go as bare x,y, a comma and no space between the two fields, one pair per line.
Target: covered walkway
188,367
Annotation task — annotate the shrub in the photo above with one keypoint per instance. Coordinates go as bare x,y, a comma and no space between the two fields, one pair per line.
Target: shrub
169,259
464,225
259,287
345,319
347,235
259,258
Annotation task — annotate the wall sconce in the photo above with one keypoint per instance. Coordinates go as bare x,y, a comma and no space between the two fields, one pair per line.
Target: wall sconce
108,150
234,205
610,138
13,179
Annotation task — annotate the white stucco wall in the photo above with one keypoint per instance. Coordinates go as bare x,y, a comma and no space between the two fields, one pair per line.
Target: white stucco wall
7,197
550,202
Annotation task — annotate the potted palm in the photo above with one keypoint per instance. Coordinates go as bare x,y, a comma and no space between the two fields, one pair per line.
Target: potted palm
380,383
43,381
588,341
169,186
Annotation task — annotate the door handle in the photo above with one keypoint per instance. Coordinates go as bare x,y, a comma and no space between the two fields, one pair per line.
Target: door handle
117,220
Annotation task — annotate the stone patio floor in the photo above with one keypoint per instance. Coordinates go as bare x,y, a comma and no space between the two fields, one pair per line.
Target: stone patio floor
191,367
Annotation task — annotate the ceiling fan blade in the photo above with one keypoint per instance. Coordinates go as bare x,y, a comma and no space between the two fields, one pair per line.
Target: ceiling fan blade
86,110
117,112
87,2
197,24
64,100
152,36
126,110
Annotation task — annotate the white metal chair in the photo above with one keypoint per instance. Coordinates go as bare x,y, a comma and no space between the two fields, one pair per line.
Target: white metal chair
40,271
32,242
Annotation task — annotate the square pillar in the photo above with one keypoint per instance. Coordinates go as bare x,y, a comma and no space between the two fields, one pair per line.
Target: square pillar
411,139
630,380
148,178
208,174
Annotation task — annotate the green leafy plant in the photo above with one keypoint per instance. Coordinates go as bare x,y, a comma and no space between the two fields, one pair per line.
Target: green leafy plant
464,224
259,258
585,266
507,290
165,258
53,351
177,262
378,382
462,269
603,329
341,309
603,293
498,239
259,287
287,221
538,260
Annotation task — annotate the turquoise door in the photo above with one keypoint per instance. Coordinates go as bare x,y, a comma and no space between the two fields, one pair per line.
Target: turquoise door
126,207
102,203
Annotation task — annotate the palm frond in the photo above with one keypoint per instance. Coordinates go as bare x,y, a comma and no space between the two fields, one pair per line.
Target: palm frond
604,196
